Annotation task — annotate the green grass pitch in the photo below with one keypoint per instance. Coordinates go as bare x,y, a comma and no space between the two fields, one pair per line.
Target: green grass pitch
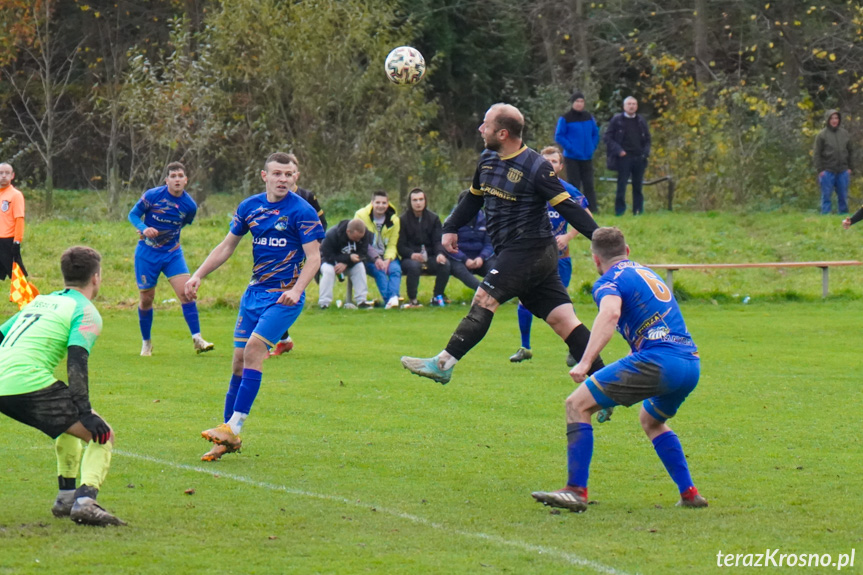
352,465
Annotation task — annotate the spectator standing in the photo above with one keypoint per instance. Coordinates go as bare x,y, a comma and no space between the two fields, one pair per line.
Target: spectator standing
627,141
421,250
475,253
833,154
578,135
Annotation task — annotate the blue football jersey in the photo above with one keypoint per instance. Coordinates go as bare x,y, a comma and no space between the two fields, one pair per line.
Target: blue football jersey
558,224
166,213
650,318
279,231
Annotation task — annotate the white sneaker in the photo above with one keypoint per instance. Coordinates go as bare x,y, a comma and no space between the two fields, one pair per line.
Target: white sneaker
147,348
201,345
392,302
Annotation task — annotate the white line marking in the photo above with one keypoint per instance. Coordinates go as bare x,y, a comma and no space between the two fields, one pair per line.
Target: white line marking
570,558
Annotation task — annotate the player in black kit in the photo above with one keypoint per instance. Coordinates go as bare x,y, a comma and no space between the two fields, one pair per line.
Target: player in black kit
513,183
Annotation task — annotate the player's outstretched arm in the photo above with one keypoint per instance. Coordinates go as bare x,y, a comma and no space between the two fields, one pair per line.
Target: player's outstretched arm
217,257
77,371
604,327
577,217
310,268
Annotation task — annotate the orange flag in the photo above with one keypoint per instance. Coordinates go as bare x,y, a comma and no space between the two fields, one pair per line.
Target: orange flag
21,291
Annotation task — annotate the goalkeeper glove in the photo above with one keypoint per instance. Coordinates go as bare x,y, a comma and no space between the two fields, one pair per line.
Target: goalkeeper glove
97,427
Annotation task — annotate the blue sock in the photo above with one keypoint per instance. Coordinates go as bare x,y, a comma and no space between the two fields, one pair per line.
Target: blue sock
525,318
248,390
669,450
145,319
231,396
190,312
579,452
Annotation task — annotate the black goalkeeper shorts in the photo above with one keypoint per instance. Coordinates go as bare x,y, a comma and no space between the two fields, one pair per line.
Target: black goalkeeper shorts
50,410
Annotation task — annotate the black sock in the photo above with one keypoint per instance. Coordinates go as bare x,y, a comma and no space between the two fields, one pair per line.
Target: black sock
577,343
86,491
470,331
66,483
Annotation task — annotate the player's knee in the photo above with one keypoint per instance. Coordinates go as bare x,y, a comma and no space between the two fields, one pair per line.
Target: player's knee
582,402
147,297
484,300
650,424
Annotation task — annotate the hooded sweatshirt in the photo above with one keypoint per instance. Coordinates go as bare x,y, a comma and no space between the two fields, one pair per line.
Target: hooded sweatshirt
387,237
833,152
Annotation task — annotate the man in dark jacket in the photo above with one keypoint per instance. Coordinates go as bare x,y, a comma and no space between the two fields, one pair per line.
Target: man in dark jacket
627,142
420,249
344,250
578,135
833,155
475,254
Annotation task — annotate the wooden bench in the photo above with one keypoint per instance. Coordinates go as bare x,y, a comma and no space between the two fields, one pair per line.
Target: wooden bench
825,266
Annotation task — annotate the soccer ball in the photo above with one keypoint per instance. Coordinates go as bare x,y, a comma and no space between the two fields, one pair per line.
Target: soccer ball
405,66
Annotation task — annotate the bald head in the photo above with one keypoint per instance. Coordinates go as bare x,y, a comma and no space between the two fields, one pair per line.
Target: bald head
501,128
508,117
356,230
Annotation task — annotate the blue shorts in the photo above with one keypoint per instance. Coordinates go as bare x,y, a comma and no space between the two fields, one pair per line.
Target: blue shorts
261,317
564,270
662,380
149,263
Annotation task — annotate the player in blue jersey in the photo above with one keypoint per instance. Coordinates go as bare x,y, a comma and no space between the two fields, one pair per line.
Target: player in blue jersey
159,216
564,263
661,371
286,237
286,344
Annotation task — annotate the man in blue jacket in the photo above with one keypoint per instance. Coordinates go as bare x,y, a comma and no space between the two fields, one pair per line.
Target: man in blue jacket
578,135
627,142
475,254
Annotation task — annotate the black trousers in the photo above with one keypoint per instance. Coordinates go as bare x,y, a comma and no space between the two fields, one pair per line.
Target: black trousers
630,167
412,270
468,277
579,173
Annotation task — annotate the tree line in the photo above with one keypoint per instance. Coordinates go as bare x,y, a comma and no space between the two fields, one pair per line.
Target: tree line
102,95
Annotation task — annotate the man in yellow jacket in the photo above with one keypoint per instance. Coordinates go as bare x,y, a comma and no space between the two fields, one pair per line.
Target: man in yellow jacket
381,219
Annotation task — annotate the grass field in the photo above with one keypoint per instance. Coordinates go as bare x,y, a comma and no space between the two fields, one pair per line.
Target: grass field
352,465
655,238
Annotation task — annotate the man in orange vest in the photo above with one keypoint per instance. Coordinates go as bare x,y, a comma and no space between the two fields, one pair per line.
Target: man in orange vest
11,222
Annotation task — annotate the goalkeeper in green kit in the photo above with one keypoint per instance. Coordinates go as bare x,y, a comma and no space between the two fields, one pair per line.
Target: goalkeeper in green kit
32,344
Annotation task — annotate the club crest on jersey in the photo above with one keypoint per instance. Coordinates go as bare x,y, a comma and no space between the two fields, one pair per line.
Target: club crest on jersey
657,333
514,175
5,206
281,224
